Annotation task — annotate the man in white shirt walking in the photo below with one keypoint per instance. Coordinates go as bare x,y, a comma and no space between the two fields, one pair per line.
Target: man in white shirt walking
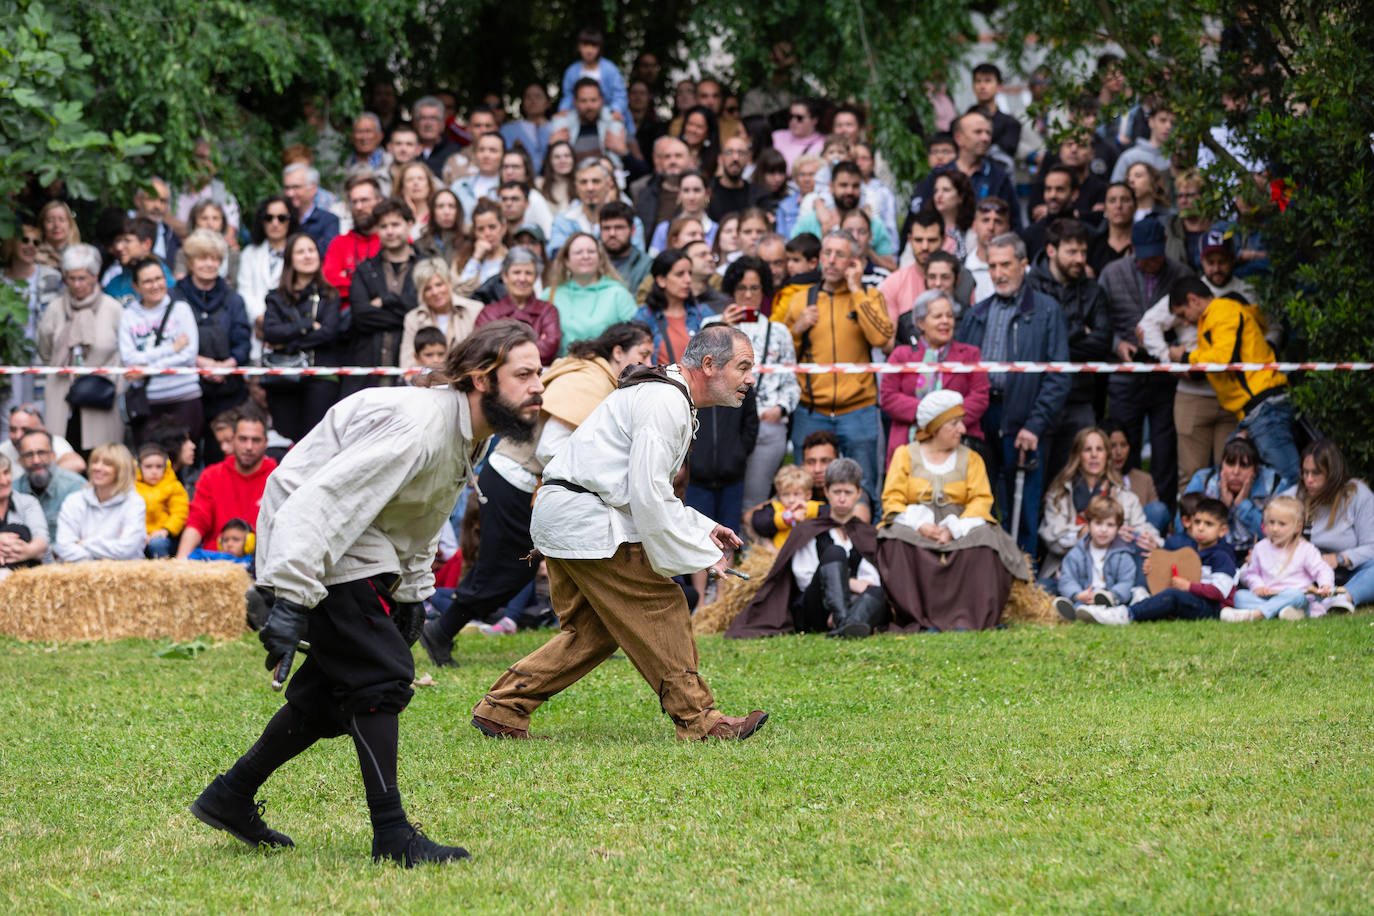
346,535
612,533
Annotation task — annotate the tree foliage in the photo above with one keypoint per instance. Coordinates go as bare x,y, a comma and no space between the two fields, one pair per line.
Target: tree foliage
877,52
46,128
1294,85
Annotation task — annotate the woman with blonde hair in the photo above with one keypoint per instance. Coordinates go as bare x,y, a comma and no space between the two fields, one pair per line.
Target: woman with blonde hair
58,223
107,519
586,290
440,307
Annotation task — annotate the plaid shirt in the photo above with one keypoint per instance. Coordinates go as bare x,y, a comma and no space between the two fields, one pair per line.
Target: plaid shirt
997,338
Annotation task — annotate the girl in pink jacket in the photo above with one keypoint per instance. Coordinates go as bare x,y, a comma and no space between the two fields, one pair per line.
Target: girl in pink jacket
1281,568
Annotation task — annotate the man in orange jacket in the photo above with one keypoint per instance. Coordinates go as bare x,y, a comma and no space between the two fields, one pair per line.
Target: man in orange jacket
840,320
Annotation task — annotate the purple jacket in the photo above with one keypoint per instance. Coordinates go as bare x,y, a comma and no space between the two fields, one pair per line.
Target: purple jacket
537,313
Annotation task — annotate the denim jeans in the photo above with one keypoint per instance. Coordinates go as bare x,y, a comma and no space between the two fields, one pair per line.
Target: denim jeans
722,505
158,548
1248,600
857,431
1157,514
1002,475
1174,602
1270,427
1361,584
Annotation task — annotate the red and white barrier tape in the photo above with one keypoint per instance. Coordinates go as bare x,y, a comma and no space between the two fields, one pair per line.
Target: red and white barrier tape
802,369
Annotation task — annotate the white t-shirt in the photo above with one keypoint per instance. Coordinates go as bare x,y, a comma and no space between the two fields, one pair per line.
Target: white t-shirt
1099,558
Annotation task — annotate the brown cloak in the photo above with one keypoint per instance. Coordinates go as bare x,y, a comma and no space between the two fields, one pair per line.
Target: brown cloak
770,613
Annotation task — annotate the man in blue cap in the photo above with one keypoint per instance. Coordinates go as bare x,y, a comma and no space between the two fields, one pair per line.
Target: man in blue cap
1133,285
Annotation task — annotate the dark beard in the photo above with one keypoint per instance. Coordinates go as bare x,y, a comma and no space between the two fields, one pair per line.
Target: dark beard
847,203
506,421
365,225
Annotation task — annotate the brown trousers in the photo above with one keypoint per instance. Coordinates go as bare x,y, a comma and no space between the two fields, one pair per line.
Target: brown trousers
603,604
1202,426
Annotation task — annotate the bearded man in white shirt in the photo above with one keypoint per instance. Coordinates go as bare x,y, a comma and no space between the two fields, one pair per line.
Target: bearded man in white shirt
346,534
612,533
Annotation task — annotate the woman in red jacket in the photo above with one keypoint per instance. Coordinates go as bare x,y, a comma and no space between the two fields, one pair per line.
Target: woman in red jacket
933,341
520,272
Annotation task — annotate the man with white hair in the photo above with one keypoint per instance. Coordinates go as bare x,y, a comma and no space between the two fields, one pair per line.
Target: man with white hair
1018,323
368,157
427,115
612,532
300,184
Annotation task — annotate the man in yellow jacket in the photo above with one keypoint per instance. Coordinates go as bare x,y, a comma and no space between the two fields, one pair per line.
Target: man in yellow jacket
840,320
1230,331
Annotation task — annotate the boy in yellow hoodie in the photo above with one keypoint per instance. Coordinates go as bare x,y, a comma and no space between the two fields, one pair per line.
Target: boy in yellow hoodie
165,498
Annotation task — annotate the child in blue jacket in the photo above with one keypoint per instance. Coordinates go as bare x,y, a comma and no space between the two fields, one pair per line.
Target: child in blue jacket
1101,568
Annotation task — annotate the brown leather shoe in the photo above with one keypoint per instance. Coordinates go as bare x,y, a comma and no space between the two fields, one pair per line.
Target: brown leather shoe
737,728
497,730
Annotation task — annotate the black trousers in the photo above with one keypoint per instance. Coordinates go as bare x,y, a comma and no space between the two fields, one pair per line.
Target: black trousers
358,662
501,571
1133,399
299,404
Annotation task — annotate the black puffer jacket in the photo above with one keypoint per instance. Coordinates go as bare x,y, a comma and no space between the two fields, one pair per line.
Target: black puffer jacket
721,449
1086,317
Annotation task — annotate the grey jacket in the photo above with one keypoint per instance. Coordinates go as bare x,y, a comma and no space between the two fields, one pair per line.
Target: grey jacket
1118,570
1126,299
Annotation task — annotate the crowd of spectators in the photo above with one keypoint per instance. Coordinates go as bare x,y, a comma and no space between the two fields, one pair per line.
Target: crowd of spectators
768,212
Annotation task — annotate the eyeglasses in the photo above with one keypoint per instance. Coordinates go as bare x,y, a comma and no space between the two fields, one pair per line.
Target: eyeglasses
29,240
29,456
731,109
277,218
748,289
796,117
735,153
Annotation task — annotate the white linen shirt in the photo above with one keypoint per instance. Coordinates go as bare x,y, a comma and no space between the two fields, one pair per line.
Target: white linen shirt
626,453
366,492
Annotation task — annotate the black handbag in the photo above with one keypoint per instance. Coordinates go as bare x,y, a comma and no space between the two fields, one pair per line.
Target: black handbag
94,391
137,408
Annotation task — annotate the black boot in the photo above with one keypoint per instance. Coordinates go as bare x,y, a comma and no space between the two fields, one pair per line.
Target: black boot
438,647
866,613
835,592
407,846
237,815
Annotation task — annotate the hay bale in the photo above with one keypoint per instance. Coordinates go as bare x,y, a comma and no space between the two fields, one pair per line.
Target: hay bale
734,594
1029,603
122,599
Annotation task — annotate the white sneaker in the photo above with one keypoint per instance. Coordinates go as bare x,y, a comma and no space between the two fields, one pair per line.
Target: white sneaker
1103,598
1139,593
1341,604
1117,615
1292,612
1065,608
1241,615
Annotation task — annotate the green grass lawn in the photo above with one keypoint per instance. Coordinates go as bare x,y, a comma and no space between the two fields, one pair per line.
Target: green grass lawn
1169,768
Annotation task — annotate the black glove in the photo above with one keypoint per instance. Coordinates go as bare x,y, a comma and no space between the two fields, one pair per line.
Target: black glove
410,619
280,636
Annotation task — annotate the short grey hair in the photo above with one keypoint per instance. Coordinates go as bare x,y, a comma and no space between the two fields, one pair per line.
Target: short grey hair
519,254
369,116
716,341
844,470
854,246
81,257
428,101
1010,240
312,174
921,307
205,241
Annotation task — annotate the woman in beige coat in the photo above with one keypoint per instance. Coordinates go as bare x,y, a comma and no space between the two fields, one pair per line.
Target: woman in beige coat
81,328
440,307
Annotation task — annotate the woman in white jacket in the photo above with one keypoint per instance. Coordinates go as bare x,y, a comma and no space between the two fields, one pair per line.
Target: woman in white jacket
106,520
261,262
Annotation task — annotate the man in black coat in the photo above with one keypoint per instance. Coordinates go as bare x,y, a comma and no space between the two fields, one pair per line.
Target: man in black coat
381,294
1061,273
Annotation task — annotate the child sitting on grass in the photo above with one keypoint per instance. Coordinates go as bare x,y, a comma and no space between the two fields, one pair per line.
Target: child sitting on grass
1100,569
1185,600
1280,570
776,519
164,498
1187,505
233,544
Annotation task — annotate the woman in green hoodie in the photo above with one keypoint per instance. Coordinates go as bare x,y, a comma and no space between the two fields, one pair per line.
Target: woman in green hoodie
586,290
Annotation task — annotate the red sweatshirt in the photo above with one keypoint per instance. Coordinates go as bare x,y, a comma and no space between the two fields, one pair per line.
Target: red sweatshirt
345,253
223,493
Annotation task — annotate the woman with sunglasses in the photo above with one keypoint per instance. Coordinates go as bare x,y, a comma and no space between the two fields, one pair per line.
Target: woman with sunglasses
261,262
38,283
